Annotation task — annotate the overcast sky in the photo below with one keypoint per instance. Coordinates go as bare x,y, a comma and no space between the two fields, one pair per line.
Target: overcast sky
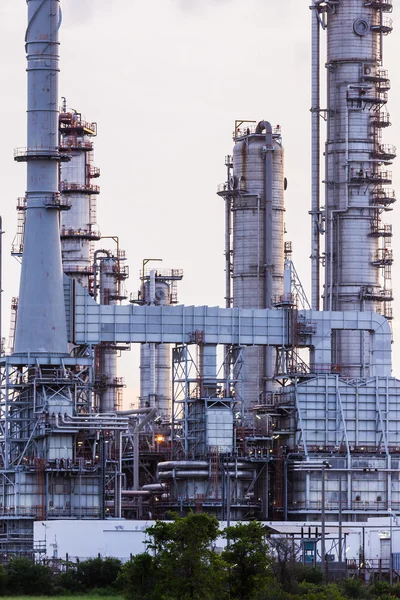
165,81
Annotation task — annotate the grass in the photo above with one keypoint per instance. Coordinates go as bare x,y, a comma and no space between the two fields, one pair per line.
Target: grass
72,596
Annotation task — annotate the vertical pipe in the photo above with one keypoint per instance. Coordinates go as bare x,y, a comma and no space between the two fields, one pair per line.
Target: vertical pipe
228,216
1,282
136,458
152,375
228,294
118,475
228,497
152,347
340,555
268,244
228,274
152,287
315,158
323,558
285,483
391,548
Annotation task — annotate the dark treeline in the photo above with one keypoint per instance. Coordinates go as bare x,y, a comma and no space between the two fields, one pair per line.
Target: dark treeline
182,563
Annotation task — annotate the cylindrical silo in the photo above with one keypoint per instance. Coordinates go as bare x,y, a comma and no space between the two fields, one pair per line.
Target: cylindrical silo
357,244
257,240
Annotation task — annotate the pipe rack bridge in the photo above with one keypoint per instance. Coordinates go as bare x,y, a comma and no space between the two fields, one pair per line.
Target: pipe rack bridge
91,323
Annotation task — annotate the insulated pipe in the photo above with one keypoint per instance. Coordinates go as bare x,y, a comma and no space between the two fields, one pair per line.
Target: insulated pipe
132,411
175,474
183,464
135,492
41,324
118,475
228,225
315,158
152,347
152,375
268,246
152,287
154,487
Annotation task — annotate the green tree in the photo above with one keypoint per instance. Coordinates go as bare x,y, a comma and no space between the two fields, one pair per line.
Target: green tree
138,577
186,565
67,581
24,577
98,573
285,565
247,555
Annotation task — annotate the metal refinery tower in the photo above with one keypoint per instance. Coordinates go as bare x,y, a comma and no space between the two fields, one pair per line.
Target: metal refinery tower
272,431
358,255
48,428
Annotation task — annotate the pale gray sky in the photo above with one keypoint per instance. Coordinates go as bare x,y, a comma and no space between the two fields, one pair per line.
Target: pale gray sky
165,80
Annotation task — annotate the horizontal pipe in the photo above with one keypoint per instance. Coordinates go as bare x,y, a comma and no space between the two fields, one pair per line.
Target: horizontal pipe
203,474
183,464
154,487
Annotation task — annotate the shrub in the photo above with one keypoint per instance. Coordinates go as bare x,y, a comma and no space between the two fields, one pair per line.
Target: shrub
98,573
24,577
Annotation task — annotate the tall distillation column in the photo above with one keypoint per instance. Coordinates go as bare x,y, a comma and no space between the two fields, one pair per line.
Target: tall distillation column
254,194
78,227
357,244
112,274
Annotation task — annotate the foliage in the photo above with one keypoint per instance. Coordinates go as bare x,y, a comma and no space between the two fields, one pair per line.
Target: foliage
3,580
310,591
26,577
181,563
284,564
353,588
247,555
307,574
67,582
138,577
186,565
98,573
382,590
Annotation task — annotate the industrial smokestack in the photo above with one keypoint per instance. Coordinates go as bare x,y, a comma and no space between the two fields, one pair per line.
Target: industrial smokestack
41,323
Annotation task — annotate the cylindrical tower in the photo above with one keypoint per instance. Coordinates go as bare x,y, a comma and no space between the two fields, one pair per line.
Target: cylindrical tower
155,360
357,244
257,192
41,323
79,230
109,384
